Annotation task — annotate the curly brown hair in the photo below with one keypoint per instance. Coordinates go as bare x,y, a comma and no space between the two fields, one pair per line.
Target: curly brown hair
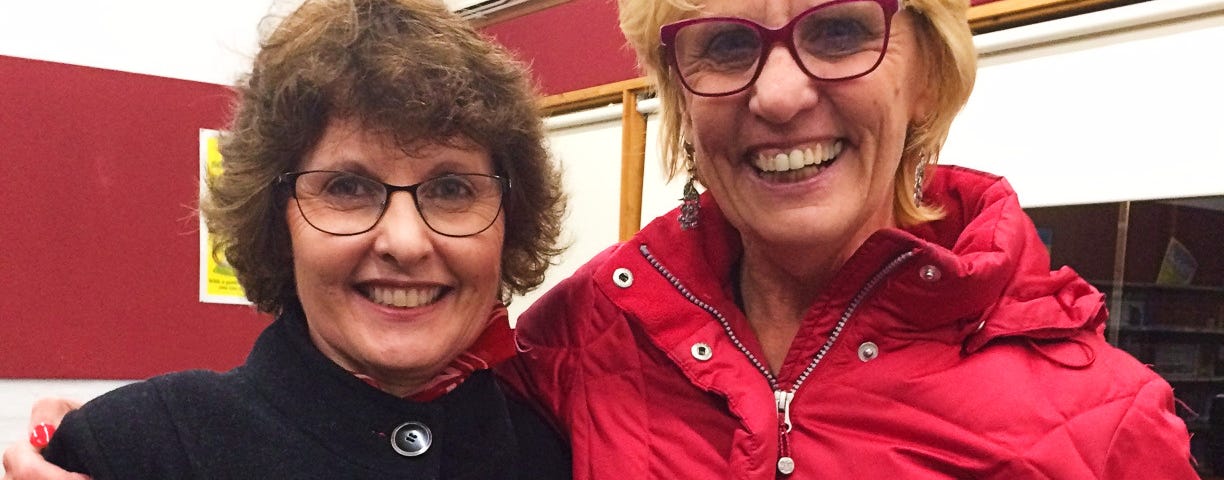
409,69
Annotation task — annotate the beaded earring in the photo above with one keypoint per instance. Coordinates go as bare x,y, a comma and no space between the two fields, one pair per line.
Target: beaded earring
689,206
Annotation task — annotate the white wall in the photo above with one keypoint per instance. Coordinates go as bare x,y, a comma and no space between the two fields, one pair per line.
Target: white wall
587,147
206,41
1123,104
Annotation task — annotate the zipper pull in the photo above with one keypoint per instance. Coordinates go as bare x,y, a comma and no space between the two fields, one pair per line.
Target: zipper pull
786,464
784,400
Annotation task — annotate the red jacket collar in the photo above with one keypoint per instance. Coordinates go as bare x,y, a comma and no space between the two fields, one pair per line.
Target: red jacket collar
994,277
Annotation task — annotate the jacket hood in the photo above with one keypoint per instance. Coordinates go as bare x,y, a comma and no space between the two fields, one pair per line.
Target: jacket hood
985,237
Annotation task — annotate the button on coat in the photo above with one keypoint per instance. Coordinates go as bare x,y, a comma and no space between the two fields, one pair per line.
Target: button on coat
411,439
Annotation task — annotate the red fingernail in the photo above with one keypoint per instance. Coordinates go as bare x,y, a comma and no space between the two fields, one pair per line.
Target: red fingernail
41,435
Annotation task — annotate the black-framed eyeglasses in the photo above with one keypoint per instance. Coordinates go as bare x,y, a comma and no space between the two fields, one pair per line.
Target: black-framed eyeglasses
345,203
838,40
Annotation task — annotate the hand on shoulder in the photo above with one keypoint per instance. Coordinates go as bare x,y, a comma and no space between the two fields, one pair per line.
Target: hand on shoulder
23,462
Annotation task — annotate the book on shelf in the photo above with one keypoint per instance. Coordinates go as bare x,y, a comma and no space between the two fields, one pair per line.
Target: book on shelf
1178,266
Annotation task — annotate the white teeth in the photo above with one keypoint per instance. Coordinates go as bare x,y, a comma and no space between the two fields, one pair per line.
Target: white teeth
798,158
403,297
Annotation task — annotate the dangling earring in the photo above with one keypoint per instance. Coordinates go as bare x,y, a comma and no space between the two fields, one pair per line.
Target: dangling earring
919,172
689,206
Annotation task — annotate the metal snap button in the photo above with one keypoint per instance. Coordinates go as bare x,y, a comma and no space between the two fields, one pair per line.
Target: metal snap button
930,273
786,465
701,351
411,439
868,351
622,277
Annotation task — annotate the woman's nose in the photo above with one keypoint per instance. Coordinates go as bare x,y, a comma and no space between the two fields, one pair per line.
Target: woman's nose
401,235
783,89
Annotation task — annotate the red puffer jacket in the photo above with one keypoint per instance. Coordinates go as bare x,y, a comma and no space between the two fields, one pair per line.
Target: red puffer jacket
949,350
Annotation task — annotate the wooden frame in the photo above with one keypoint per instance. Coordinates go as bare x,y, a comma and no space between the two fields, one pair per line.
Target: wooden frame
633,138
1001,14
513,11
991,16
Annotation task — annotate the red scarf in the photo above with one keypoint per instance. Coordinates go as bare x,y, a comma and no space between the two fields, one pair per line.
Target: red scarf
495,345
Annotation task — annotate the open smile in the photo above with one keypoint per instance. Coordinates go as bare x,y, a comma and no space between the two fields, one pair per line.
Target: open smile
797,163
402,297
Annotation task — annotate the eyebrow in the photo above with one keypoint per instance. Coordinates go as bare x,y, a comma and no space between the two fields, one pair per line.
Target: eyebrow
438,169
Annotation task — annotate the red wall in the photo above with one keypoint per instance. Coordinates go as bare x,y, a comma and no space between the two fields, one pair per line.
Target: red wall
99,249
575,45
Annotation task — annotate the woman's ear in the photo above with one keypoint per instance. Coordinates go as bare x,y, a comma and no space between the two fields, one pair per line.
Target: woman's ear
925,100
686,118
924,106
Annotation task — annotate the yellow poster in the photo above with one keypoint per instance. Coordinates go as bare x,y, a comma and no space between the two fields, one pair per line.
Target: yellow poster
217,281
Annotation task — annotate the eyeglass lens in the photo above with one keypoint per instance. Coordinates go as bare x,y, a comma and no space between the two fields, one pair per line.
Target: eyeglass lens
343,203
833,41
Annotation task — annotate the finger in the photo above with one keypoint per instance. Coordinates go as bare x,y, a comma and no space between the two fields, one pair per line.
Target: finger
40,435
51,410
22,462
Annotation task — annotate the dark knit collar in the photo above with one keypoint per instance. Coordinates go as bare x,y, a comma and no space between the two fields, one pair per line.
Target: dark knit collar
470,424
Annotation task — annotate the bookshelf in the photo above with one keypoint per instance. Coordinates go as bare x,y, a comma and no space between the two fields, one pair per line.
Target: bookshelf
1161,267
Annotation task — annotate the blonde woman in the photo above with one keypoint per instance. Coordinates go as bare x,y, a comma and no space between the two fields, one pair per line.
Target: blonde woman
834,305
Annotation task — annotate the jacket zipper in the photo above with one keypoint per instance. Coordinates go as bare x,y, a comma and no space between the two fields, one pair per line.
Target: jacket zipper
782,398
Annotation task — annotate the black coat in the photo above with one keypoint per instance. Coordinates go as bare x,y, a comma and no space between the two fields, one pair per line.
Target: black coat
289,412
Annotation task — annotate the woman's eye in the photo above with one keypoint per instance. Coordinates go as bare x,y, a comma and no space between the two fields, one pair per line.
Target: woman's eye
449,189
732,46
349,186
833,37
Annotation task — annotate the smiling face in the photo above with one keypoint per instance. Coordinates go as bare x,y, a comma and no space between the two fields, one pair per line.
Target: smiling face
796,162
399,301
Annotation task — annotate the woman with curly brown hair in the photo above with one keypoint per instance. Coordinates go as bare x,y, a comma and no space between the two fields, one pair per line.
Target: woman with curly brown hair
385,190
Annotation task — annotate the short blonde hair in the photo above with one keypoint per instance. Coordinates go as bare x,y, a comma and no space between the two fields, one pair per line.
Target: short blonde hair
950,61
